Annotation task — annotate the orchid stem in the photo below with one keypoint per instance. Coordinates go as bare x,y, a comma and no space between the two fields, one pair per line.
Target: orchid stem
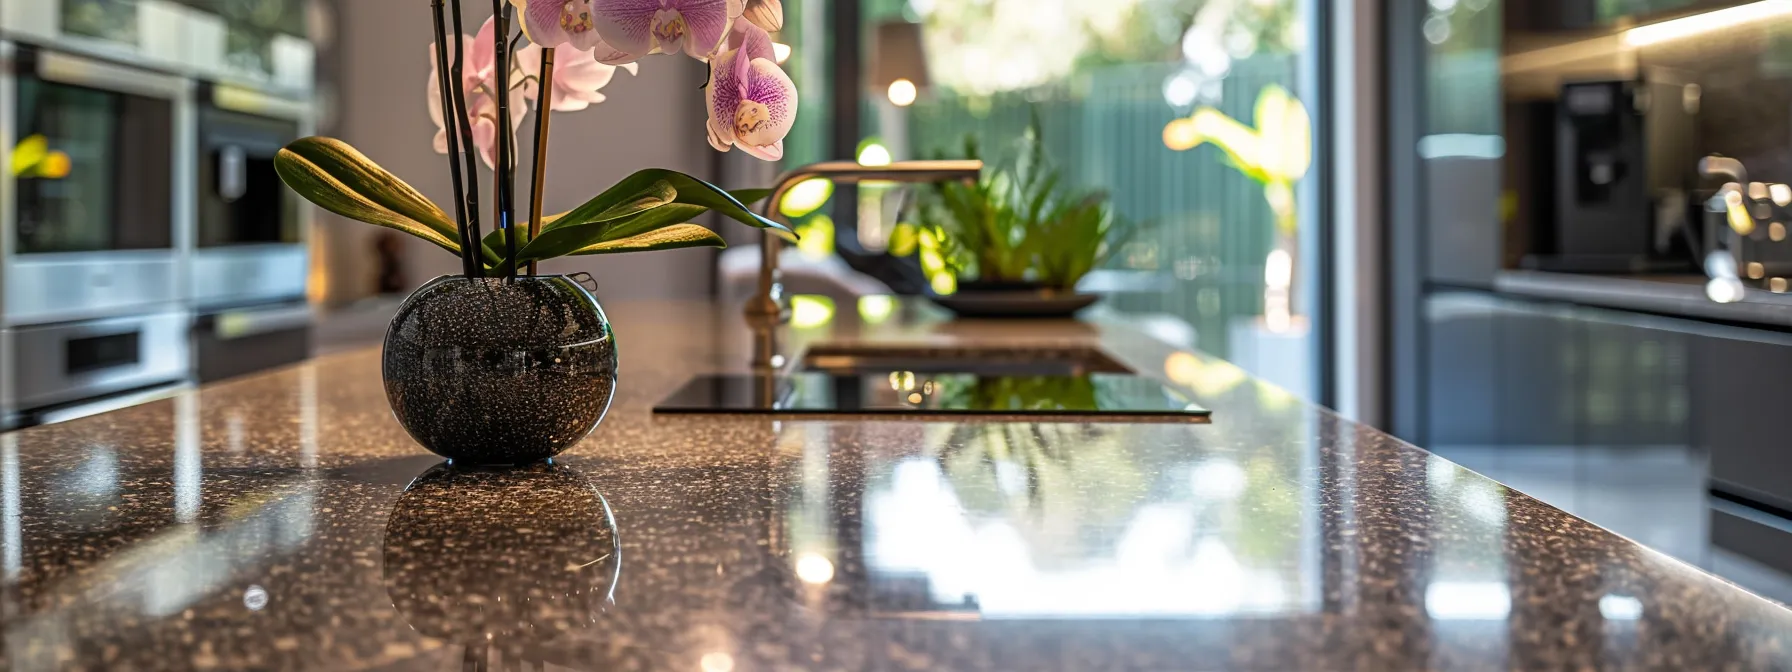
467,261
506,169
464,127
544,106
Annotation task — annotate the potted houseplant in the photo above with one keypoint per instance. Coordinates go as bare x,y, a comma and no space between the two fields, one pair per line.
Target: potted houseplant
499,365
1018,240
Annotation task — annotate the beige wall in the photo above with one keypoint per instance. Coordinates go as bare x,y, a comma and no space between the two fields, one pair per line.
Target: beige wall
653,120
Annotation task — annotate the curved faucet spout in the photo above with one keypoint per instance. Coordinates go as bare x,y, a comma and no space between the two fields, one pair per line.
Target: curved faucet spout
766,310
769,300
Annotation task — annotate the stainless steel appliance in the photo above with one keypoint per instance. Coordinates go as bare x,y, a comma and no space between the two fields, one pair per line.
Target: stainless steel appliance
89,258
249,264
63,368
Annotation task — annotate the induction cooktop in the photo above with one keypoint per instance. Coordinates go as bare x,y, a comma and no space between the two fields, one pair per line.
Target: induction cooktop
904,393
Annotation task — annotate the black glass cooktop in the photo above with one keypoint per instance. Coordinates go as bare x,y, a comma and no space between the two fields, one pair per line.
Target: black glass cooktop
943,394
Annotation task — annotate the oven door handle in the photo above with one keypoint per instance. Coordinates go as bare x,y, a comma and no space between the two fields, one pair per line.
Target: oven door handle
234,324
78,71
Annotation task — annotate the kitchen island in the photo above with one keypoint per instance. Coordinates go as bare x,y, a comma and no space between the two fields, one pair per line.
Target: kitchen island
286,521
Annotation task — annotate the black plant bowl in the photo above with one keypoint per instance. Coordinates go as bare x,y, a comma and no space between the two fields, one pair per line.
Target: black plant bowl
500,372
982,299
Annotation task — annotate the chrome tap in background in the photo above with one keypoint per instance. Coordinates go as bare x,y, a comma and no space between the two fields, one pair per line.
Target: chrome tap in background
766,310
769,300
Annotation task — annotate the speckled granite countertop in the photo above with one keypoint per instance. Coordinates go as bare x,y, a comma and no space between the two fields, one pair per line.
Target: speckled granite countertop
267,524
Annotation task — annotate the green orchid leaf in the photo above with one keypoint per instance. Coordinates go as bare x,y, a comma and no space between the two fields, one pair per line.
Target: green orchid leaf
567,240
687,190
750,196
342,180
494,242
625,199
669,238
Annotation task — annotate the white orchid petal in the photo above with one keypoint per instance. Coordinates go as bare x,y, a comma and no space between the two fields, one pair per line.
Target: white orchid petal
772,152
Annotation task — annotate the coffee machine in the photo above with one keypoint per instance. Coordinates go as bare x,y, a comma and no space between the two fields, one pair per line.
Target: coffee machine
1625,159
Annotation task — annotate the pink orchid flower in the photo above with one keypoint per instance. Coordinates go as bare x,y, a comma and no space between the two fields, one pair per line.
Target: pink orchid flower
556,23
752,103
578,77
480,82
641,27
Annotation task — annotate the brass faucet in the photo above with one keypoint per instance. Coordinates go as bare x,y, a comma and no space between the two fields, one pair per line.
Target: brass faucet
766,310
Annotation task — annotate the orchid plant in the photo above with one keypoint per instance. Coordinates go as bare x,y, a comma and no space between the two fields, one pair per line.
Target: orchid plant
482,86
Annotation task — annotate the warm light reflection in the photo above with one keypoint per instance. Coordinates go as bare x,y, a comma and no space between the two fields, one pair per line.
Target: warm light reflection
1698,24
903,93
1219,479
1741,221
875,154
806,197
1207,379
781,52
188,469
1468,601
809,312
1278,278
817,238
12,530
814,569
1620,608
877,308
255,598
716,662
1724,290
902,381
1017,561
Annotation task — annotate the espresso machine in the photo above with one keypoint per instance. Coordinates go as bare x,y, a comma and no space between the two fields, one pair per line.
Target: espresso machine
1623,169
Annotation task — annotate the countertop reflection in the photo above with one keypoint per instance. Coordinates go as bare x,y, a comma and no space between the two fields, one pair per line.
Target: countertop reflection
286,521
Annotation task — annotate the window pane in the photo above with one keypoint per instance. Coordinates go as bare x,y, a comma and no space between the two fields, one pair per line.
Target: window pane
1192,116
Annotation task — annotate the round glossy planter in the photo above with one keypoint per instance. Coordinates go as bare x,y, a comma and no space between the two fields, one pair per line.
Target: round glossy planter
492,372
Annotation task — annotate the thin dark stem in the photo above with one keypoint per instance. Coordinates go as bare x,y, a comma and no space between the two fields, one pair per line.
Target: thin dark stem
543,107
506,186
467,260
465,128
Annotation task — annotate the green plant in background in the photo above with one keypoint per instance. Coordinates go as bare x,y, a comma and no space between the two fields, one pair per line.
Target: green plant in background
1019,223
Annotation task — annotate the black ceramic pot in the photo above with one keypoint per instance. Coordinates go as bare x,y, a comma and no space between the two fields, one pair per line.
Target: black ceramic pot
500,372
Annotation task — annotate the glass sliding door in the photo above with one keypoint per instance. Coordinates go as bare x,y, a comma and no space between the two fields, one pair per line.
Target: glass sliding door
1198,119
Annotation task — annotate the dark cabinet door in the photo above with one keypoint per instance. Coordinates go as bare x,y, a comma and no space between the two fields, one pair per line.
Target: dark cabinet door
1508,372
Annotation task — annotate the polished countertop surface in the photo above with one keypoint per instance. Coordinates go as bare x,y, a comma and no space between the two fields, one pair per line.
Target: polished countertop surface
1673,295
286,521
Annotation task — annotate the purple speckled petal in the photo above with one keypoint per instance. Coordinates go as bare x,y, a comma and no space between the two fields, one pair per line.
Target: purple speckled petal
706,23
753,40
541,21
723,96
626,25
768,108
